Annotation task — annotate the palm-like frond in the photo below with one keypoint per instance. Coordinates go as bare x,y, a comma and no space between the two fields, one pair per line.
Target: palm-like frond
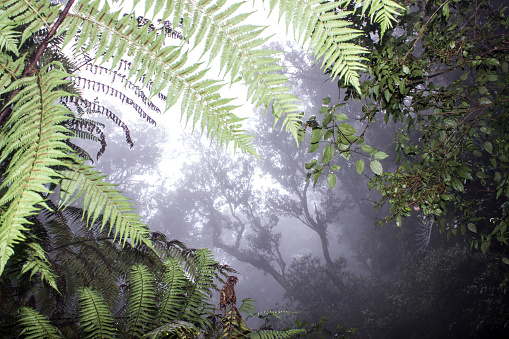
95,316
142,300
324,25
37,263
36,326
221,32
10,70
163,66
33,144
32,14
100,197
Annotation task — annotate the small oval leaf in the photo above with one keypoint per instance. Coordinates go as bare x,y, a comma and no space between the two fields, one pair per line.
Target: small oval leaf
376,167
331,180
359,166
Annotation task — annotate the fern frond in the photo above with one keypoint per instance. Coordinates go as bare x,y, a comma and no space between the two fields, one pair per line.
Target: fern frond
165,66
100,197
37,263
271,334
33,143
248,307
175,281
198,295
32,14
10,70
224,36
8,37
175,329
324,25
95,316
36,326
382,12
142,296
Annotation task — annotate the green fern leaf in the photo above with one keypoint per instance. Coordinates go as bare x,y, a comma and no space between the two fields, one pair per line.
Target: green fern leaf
100,197
175,281
95,316
36,326
34,143
179,329
267,334
198,295
142,296
37,263
166,65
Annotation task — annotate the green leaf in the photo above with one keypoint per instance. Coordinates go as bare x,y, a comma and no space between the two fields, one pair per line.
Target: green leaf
328,153
366,148
335,168
488,147
347,129
331,180
485,246
341,117
359,166
380,155
311,164
472,227
505,260
376,167
316,135
313,147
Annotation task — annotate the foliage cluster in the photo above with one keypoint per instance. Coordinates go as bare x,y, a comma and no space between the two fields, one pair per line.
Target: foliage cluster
441,75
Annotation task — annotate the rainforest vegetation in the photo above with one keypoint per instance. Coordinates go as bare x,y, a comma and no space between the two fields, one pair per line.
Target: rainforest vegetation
398,174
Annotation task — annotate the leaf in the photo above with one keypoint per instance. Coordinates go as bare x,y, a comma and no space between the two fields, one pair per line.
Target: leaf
328,153
311,164
376,167
485,246
472,227
341,117
36,326
488,147
359,166
316,135
331,180
380,155
347,129
505,260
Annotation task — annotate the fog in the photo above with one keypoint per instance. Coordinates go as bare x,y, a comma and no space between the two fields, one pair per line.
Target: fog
296,246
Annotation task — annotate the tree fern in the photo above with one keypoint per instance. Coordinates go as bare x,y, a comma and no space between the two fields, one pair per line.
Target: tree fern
165,66
34,144
36,326
95,316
